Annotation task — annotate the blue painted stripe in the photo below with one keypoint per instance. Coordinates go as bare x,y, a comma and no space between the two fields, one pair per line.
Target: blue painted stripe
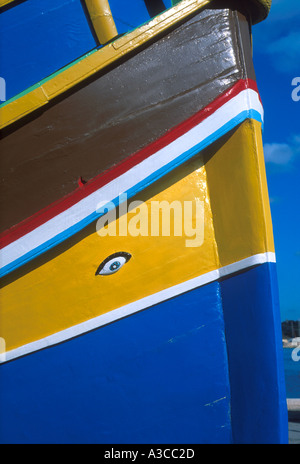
247,114
159,376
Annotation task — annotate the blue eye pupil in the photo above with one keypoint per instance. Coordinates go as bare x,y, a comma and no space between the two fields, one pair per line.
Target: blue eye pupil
115,265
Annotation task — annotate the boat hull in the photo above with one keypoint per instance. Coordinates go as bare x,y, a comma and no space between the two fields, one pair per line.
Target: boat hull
183,344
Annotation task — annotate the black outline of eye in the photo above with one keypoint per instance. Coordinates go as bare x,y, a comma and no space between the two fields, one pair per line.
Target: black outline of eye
123,254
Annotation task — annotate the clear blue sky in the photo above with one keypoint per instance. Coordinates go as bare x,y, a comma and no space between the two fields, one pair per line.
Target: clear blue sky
276,48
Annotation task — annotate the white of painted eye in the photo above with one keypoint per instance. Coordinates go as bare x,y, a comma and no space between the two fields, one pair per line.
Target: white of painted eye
113,265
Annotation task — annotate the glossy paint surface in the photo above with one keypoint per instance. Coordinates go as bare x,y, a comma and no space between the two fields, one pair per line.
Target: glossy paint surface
255,356
177,344
160,376
67,275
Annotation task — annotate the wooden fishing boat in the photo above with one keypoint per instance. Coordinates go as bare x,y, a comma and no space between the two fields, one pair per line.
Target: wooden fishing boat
113,331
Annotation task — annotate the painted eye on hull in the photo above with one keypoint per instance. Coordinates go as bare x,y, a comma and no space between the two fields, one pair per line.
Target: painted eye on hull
113,263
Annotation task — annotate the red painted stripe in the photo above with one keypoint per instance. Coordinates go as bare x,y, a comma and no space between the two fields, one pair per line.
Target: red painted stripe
102,179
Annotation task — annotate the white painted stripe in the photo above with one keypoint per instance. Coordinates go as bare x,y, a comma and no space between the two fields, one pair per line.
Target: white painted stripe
246,100
138,305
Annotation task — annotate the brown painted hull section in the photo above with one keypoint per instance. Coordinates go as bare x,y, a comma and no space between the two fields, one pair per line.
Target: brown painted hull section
121,111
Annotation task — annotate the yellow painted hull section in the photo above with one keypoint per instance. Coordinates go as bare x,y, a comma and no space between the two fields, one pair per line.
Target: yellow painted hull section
63,290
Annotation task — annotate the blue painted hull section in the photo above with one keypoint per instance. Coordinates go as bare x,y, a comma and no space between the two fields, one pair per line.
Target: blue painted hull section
255,354
159,376
150,378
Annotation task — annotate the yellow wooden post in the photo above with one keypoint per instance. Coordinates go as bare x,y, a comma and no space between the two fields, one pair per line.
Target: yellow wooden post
102,19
